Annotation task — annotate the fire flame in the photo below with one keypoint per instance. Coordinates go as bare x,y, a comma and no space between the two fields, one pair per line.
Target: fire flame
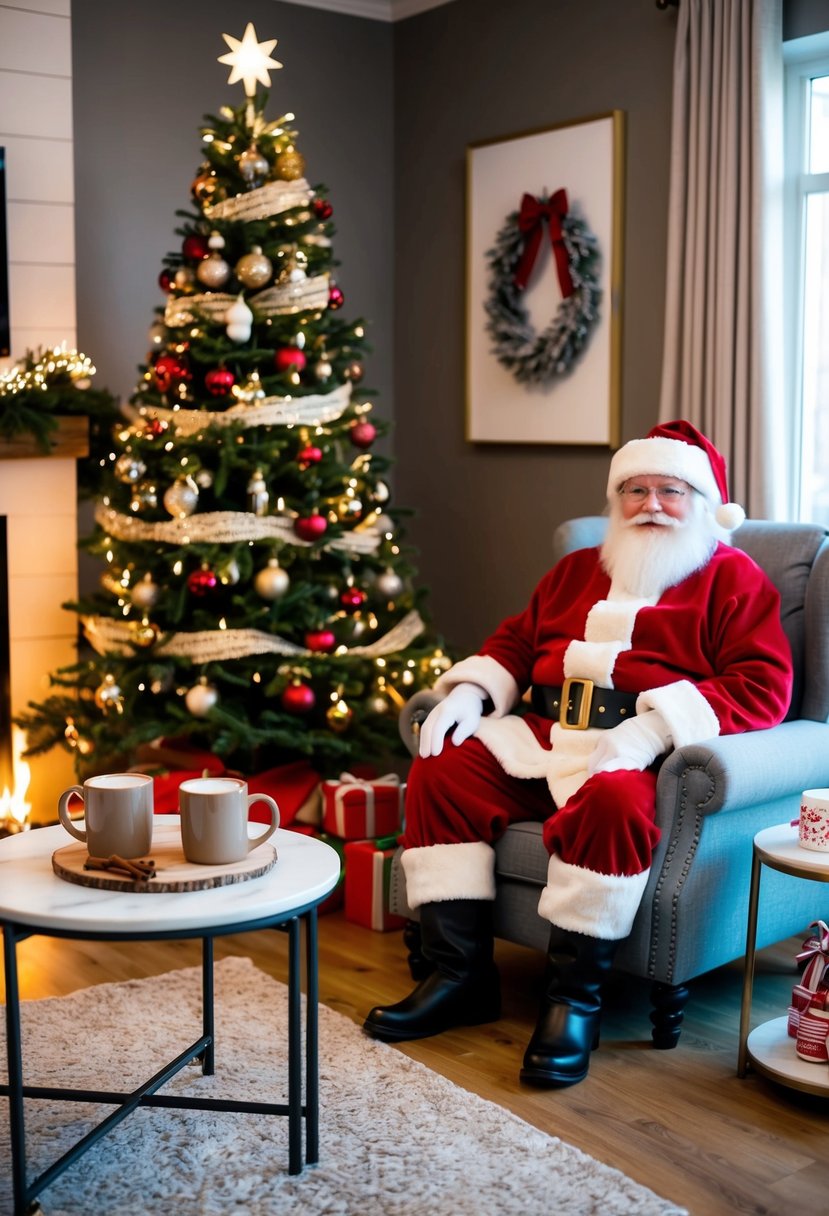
13,806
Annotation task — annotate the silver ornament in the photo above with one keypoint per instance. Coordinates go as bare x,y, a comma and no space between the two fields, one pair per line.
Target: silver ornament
253,166
254,269
204,479
182,498
389,584
258,495
129,468
323,369
145,593
201,698
213,271
272,582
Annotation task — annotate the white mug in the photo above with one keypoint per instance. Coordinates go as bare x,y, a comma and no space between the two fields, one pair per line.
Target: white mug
214,820
813,826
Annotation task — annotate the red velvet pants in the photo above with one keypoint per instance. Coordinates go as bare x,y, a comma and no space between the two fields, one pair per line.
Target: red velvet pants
463,795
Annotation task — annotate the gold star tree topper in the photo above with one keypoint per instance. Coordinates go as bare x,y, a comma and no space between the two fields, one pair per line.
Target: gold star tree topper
249,60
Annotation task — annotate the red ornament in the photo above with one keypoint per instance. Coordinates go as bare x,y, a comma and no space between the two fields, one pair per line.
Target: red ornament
320,641
352,599
165,280
363,434
298,698
308,455
310,527
219,381
322,208
202,582
154,428
289,358
195,247
336,299
168,371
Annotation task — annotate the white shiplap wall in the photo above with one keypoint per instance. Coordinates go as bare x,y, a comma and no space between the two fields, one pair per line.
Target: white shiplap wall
36,131
38,496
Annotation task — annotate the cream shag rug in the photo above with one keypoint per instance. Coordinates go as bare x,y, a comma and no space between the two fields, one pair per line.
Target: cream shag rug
396,1139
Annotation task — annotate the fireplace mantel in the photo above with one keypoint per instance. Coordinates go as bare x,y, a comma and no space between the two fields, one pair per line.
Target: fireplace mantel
70,440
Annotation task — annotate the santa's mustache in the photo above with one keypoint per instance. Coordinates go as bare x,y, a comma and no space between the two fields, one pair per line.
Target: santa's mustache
653,517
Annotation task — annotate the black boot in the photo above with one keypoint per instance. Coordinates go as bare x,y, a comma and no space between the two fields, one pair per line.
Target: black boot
463,989
568,1023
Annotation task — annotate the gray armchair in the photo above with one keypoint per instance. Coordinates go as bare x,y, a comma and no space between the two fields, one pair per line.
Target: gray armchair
711,800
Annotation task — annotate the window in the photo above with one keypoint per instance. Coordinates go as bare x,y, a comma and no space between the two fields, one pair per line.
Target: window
807,270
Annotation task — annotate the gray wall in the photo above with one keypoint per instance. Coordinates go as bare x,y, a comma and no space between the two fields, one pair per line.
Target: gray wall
144,76
470,71
803,17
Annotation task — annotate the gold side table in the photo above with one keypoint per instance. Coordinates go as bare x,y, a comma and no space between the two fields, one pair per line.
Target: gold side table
768,1048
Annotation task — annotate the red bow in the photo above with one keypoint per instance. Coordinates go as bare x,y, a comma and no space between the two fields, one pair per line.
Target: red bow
530,219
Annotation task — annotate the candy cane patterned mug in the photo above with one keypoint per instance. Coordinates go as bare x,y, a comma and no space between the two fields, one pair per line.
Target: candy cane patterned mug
813,828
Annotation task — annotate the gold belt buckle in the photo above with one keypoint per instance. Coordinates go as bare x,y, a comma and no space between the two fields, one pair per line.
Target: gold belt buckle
567,704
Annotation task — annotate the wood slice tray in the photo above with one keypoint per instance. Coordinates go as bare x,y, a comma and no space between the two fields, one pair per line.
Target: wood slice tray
173,871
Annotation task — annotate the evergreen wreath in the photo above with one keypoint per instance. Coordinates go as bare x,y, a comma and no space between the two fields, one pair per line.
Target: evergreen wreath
538,358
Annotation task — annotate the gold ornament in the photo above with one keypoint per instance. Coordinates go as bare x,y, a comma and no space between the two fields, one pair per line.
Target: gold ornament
108,695
145,593
254,269
272,582
184,279
290,165
213,271
182,498
348,507
339,716
205,188
353,371
144,634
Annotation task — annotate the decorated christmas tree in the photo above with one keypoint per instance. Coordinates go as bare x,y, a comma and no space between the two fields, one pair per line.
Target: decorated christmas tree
256,599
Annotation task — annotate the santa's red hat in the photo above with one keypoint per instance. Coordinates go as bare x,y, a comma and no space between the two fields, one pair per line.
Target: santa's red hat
678,449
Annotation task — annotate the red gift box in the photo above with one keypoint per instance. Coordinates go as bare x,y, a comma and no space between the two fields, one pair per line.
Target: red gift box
367,877
356,809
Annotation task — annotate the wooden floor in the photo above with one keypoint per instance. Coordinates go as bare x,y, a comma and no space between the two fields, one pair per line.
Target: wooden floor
679,1121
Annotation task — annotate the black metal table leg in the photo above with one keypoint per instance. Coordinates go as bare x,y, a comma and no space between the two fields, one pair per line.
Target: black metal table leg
312,1071
15,1061
294,1051
208,1059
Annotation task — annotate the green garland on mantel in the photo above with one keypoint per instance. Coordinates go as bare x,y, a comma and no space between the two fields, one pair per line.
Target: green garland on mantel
47,384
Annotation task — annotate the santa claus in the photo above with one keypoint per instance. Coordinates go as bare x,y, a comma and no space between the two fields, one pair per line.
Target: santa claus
664,636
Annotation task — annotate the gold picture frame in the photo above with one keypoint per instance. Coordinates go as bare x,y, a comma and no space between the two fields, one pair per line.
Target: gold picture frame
581,405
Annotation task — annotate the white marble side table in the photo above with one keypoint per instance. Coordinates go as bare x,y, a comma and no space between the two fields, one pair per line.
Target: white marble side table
769,1048
34,901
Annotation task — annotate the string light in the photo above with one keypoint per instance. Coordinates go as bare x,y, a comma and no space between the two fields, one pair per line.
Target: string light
52,362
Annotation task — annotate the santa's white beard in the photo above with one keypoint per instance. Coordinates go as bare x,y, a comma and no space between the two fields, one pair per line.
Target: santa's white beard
645,561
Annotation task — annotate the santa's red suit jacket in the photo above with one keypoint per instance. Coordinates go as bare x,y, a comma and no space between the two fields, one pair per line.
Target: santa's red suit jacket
710,654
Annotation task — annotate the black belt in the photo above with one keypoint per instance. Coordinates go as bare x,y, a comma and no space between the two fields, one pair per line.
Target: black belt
580,704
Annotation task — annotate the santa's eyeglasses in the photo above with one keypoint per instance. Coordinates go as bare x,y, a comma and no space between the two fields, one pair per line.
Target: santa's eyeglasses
665,494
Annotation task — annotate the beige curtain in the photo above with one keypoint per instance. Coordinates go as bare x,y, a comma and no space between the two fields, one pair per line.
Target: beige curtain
722,367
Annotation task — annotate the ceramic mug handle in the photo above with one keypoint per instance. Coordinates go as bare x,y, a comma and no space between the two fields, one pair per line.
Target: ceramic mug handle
63,811
257,840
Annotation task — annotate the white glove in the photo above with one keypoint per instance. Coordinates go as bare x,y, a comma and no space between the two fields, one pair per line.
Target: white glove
634,744
462,708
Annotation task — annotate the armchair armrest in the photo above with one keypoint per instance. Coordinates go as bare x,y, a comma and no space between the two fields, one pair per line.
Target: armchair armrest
743,770
414,714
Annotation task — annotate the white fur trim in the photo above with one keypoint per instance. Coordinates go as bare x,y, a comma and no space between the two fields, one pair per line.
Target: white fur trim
593,660
449,871
688,715
612,621
663,457
584,901
487,673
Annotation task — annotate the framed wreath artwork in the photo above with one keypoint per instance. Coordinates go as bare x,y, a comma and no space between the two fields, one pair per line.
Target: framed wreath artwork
544,277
